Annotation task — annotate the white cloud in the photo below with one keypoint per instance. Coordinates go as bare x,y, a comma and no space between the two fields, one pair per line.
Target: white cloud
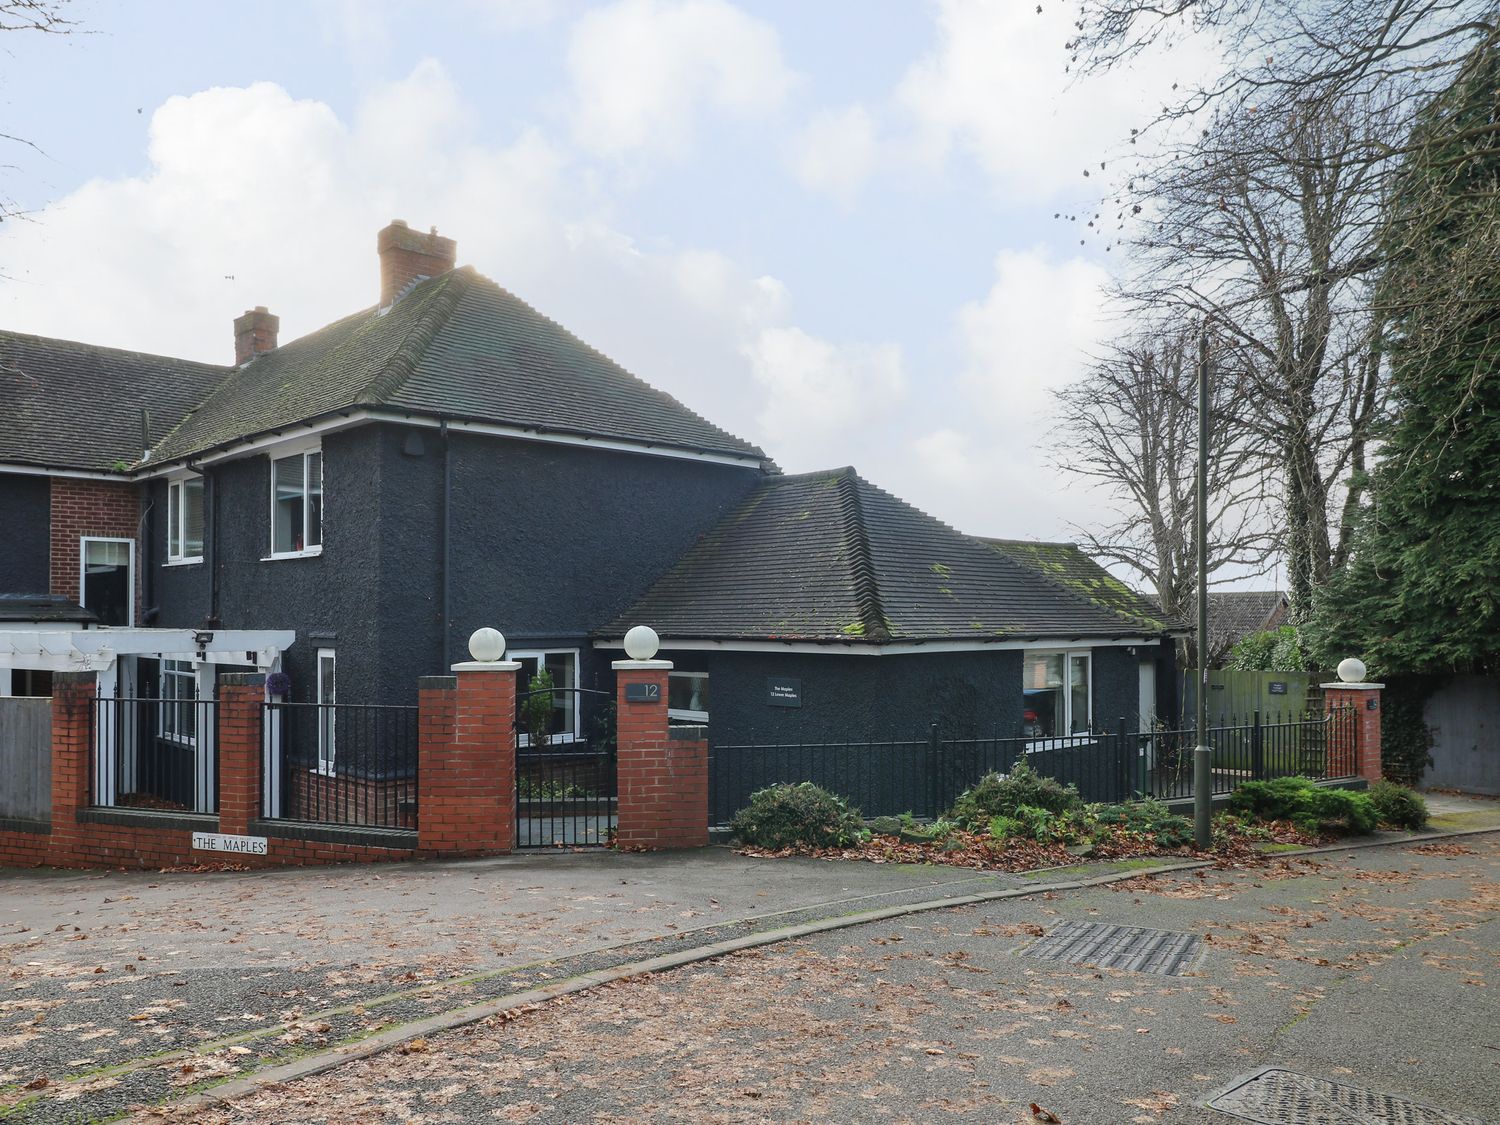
817,390
995,88
836,152
1031,332
643,70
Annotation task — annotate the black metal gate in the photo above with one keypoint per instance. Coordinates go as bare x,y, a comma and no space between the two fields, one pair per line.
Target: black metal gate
566,787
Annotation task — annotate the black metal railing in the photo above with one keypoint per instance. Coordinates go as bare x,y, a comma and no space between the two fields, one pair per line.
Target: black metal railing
924,776
351,764
566,789
154,752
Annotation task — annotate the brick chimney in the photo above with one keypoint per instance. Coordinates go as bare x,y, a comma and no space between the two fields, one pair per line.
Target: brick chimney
254,333
407,256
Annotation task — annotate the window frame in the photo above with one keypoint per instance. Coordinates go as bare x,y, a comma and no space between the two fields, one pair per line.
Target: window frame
177,509
1069,655
683,714
540,656
303,452
170,706
83,572
327,711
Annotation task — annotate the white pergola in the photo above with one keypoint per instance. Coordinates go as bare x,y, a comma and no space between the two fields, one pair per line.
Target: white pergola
111,654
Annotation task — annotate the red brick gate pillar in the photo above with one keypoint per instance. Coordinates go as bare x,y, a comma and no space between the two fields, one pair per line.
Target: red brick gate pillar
1355,708
663,782
241,750
73,696
466,769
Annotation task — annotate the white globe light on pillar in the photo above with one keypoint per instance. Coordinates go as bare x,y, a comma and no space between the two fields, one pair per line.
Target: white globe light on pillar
487,645
1352,670
641,642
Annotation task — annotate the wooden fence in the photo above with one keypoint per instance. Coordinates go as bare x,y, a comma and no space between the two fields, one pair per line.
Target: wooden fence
25,758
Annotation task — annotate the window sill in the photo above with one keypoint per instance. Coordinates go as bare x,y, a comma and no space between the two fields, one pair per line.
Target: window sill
196,560
688,716
310,553
523,741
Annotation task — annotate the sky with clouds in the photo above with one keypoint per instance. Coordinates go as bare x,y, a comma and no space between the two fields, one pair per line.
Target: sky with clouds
828,227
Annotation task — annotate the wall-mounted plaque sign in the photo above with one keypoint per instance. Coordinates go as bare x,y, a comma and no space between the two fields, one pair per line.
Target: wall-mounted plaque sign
783,691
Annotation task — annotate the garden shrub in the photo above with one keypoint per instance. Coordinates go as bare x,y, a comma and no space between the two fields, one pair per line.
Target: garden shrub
998,794
1308,805
1147,818
785,816
1398,806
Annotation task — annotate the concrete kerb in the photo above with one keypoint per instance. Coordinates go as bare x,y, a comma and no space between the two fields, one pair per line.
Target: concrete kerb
317,1063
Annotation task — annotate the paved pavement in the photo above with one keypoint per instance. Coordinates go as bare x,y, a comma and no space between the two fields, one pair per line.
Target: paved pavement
1375,969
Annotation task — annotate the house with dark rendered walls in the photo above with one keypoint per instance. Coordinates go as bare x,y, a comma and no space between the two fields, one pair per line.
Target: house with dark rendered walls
449,458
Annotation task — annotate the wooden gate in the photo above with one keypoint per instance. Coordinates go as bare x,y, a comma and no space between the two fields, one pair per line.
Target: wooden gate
26,758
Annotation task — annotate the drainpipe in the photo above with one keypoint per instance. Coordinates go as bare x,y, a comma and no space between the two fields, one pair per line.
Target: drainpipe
443,612
211,533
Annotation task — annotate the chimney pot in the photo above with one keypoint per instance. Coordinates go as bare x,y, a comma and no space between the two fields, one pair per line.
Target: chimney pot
254,334
407,256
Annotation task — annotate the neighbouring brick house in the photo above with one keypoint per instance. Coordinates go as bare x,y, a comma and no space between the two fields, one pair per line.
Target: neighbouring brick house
450,458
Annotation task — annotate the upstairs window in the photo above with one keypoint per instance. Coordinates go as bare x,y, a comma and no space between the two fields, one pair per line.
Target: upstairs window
297,504
185,520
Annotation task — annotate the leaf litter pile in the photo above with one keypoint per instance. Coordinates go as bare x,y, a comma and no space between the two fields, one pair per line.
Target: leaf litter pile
1233,847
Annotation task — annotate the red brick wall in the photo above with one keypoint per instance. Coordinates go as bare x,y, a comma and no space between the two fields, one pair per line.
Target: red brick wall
466,806
104,508
663,782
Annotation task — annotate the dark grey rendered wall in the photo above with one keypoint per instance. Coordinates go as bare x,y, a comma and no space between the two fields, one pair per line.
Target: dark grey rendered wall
859,698
548,543
25,534
330,600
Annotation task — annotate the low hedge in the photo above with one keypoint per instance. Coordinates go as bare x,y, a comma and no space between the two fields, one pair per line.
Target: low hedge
803,815
1308,805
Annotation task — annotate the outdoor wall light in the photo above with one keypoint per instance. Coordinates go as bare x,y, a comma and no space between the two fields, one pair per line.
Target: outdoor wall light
487,645
1351,670
641,642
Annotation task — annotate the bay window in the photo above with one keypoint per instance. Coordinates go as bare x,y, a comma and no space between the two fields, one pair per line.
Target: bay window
185,520
297,504
1056,694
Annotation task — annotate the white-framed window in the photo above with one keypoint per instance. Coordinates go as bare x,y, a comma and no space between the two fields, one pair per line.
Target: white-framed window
185,520
687,696
327,713
1056,694
562,665
179,702
297,504
106,578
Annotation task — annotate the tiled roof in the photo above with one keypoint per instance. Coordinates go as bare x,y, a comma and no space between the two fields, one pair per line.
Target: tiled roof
829,557
65,405
1235,614
1067,565
458,346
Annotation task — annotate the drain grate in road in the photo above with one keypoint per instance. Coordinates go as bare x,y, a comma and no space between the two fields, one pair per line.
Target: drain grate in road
1115,947
1283,1097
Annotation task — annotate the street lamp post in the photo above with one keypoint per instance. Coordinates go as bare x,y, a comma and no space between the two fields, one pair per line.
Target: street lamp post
1202,754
